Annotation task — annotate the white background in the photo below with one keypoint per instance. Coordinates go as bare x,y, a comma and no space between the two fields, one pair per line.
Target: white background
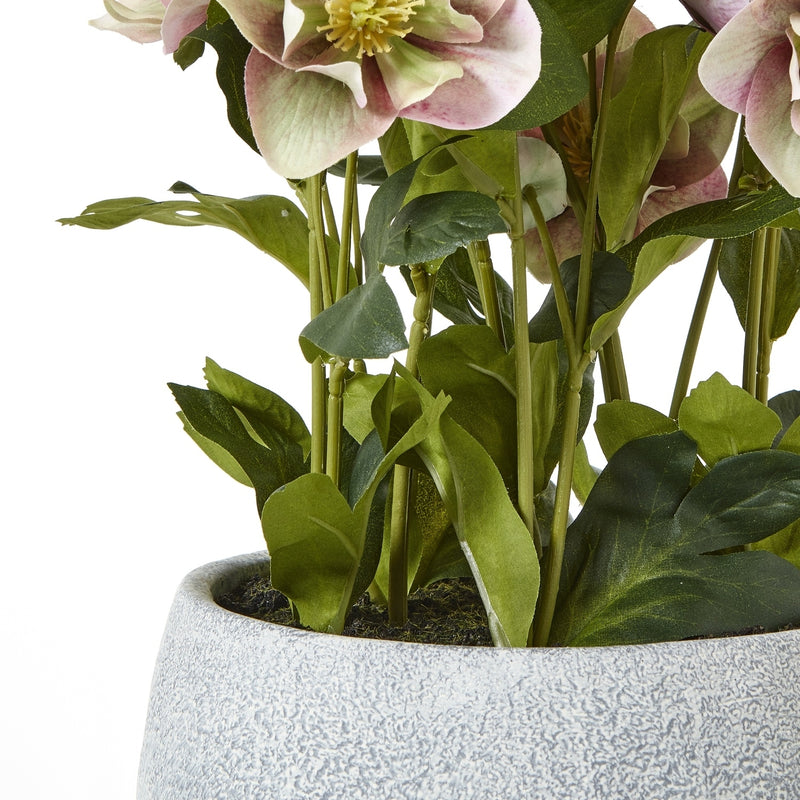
106,503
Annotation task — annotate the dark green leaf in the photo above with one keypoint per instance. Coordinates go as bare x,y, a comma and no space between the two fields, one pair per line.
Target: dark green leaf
371,171
719,219
433,226
734,271
639,564
232,53
563,81
189,51
611,282
365,323
214,418
589,22
787,407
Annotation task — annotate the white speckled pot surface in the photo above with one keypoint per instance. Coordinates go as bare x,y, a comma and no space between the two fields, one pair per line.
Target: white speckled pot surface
244,710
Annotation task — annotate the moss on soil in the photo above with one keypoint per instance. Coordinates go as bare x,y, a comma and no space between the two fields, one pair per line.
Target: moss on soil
448,612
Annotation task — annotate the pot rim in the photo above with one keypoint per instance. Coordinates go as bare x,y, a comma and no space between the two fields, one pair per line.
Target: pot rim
203,584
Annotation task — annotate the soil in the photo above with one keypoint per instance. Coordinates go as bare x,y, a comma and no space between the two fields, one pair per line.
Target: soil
448,612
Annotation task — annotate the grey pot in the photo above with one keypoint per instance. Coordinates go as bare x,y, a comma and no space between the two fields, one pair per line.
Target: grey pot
241,709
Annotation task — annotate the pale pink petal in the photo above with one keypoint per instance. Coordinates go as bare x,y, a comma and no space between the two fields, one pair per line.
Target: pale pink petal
769,124
301,18
731,60
663,201
336,65
411,74
482,10
318,122
498,71
565,234
438,21
773,15
259,21
714,13
181,18
139,20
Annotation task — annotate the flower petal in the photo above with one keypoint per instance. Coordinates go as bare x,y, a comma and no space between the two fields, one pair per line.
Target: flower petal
259,21
139,20
438,21
319,120
540,167
773,15
498,71
412,74
714,14
565,234
769,119
730,62
181,18
336,65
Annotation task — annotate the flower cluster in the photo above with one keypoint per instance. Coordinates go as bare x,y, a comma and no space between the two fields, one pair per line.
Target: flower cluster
342,71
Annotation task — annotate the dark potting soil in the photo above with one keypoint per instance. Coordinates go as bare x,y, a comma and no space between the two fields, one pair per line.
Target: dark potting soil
447,612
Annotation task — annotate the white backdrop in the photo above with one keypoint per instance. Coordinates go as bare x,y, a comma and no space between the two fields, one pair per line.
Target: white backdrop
106,503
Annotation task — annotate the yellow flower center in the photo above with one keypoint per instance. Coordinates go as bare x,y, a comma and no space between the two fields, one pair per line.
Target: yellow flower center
576,136
370,24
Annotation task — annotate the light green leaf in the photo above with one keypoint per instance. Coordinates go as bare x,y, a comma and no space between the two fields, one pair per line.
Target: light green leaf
640,120
621,421
365,323
725,420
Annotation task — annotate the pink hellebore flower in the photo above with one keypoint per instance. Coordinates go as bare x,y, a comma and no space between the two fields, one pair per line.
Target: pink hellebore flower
327,77
139,20
151,20
753,67
714,14
688,171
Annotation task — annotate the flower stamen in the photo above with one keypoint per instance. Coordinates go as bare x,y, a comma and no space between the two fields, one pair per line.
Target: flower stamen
368,24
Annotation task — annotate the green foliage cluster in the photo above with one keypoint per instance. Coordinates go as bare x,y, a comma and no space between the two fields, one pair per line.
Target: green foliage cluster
466,459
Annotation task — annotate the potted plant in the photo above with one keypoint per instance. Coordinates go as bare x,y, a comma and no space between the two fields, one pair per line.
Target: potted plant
594,142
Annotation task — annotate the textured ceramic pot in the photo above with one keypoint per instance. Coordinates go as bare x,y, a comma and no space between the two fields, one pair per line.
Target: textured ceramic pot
244,710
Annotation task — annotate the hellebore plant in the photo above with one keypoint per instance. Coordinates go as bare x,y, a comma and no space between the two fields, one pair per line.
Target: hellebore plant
591,141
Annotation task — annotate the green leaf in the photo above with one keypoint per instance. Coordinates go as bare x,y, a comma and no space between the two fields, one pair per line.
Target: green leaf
785,543
725,420
273,224
734,271
656,246
563,81
588,23
640,120
639,560
232,53
433,226
215,419
621,421
383,208
268,413
317,543
371,170
611,281
218,454
365,323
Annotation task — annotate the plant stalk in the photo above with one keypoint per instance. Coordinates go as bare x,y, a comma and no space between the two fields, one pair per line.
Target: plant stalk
350,184
522,354
752,327
424,286
480,257
769,289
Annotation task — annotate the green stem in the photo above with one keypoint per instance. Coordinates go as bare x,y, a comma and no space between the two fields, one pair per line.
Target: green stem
316,223
318,382
350,179
684,376
612,370
334,420
330,217
752,327
424,286
578,362
773,249
522,357
480,258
